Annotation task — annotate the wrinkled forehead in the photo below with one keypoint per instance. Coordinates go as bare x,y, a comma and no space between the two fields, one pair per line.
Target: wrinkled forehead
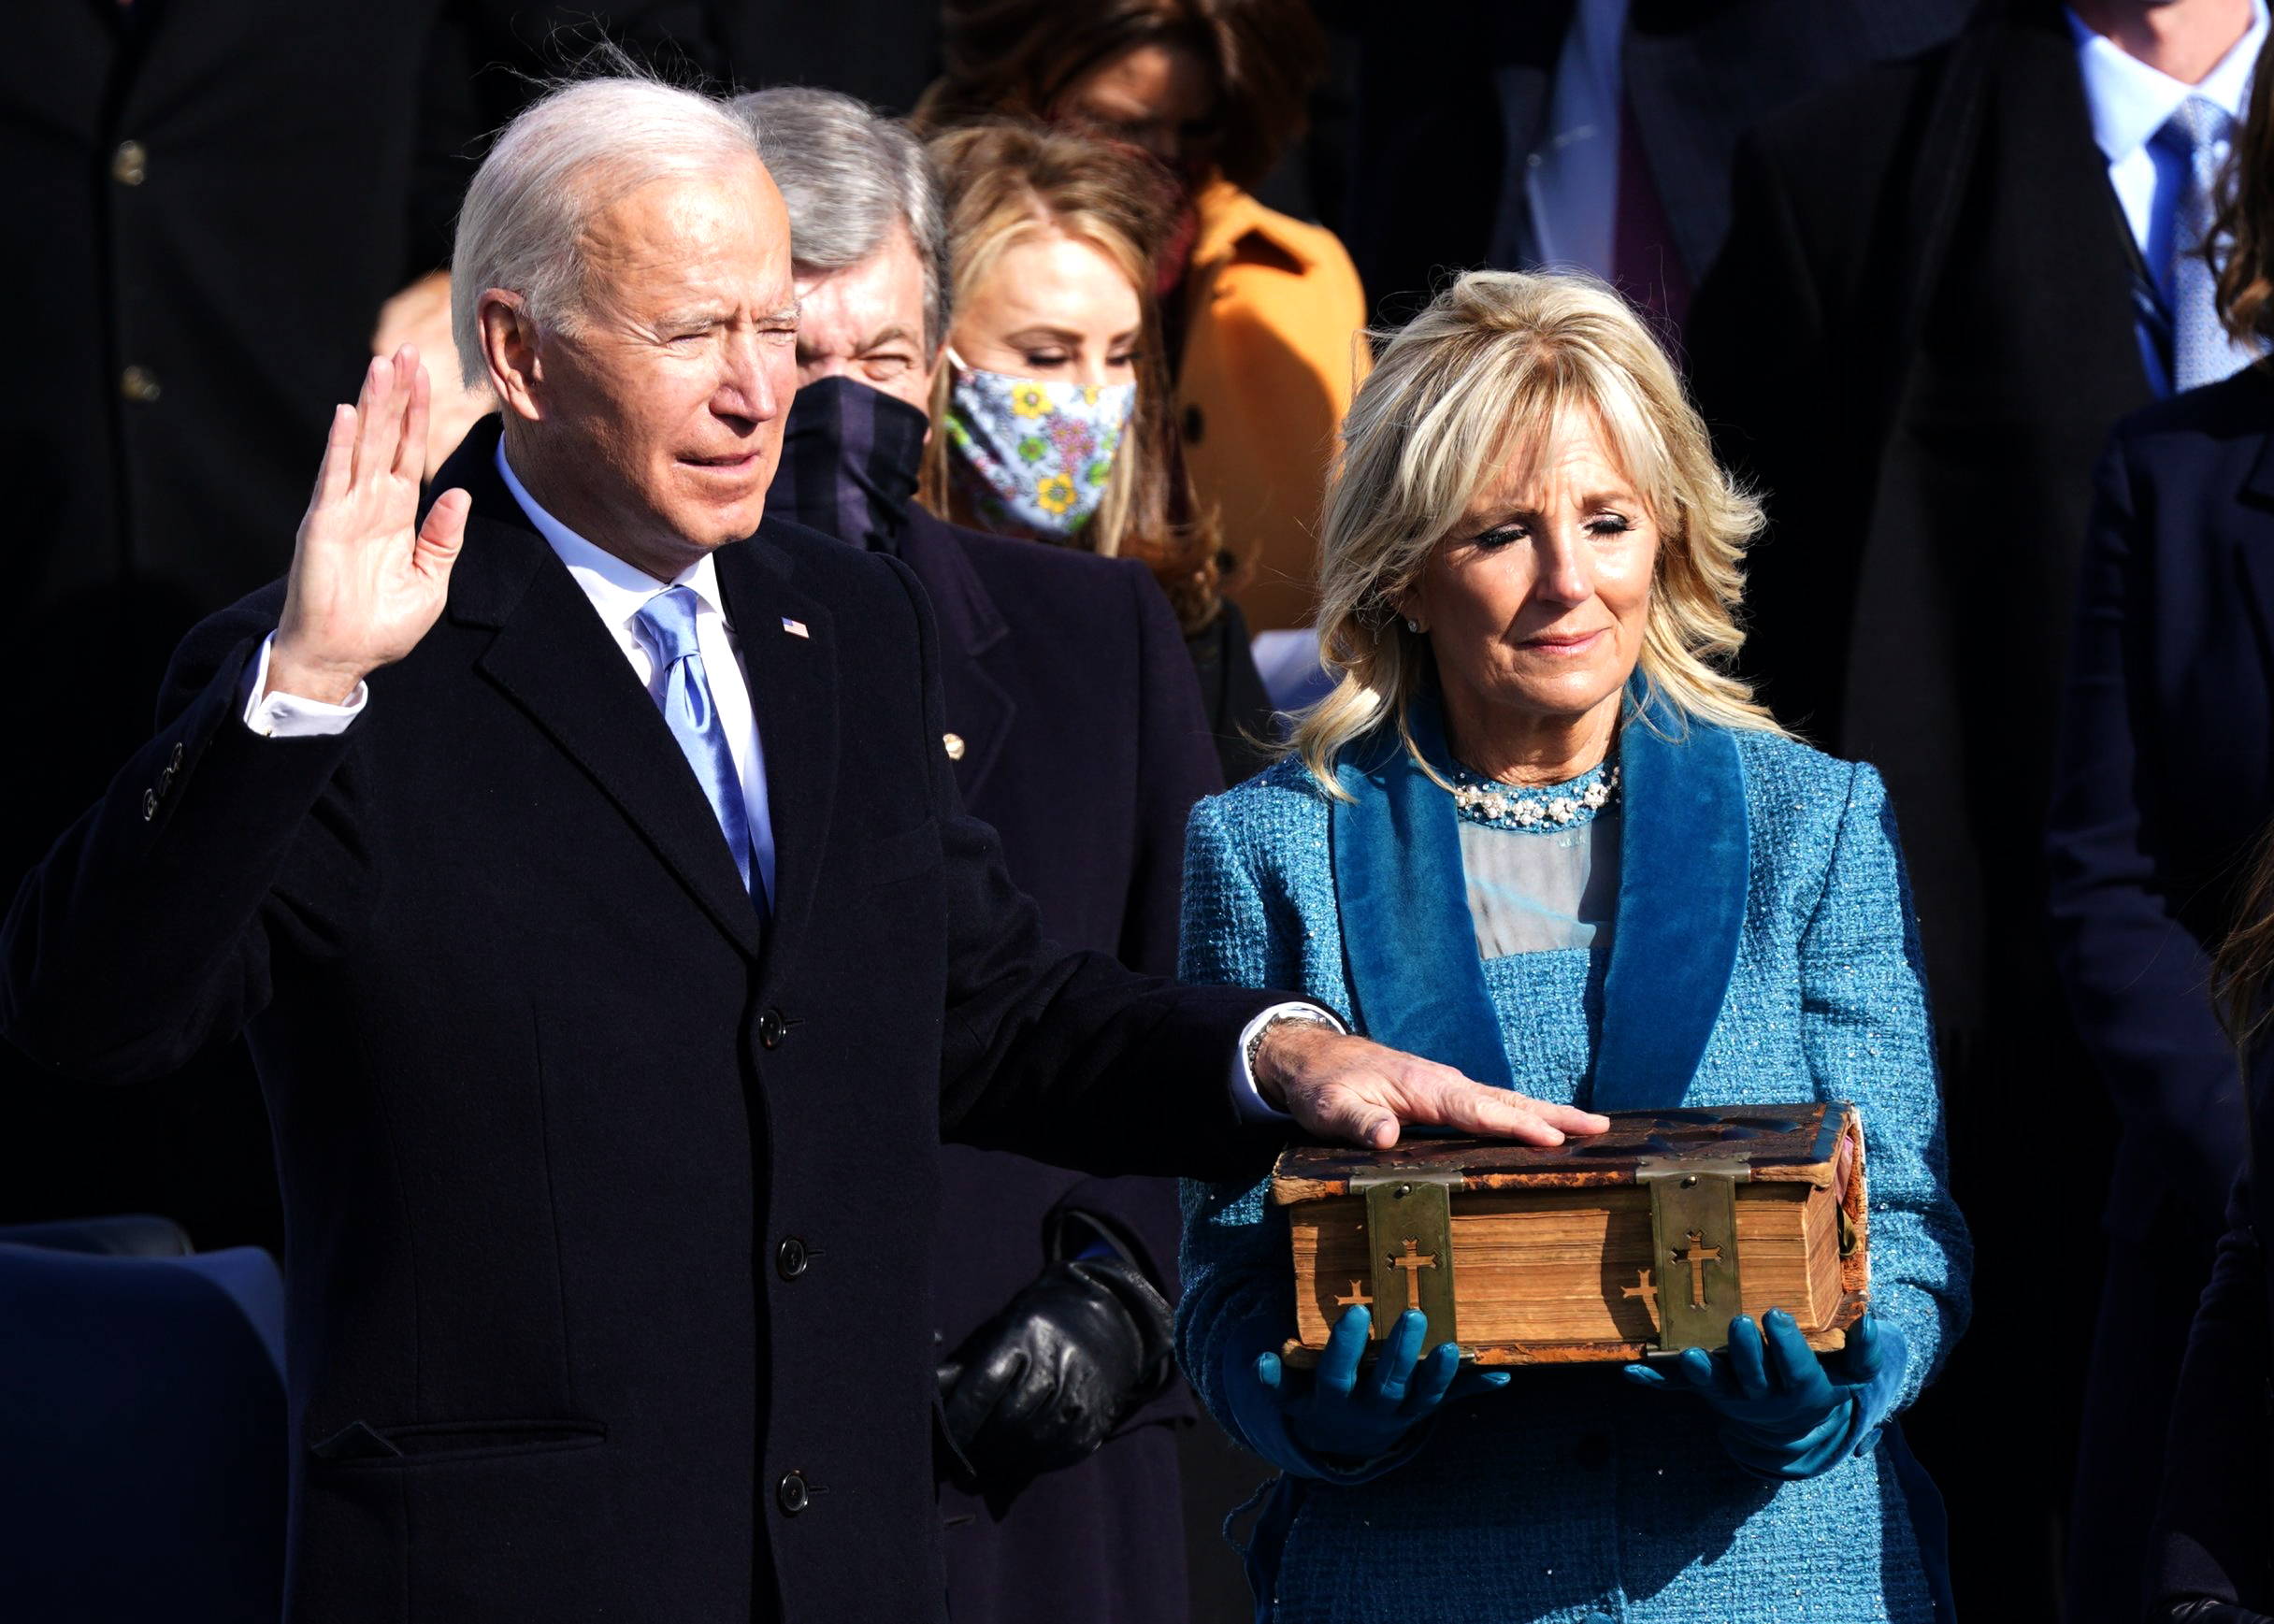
715,231
885,287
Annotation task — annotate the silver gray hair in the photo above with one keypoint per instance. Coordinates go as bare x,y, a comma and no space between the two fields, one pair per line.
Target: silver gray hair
849,174
565,159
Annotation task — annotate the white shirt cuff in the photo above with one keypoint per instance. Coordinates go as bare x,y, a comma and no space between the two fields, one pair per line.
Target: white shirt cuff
290,716
1247,1101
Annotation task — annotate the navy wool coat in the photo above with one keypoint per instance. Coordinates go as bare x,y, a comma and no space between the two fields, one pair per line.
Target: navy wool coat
2167,780
1080,739
605,1200
2209,1538
2164,780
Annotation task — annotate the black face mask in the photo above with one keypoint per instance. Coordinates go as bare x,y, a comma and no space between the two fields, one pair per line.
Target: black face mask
850,455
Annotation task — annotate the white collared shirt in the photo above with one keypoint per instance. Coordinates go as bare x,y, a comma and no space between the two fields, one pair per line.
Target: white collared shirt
617,591
2129,102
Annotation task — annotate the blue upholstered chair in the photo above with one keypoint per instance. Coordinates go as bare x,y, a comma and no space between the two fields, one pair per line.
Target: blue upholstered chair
142,1453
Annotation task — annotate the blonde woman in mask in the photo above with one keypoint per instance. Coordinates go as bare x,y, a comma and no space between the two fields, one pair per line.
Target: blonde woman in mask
1051,415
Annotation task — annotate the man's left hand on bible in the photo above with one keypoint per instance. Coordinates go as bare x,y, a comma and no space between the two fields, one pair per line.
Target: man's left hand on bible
1337,1086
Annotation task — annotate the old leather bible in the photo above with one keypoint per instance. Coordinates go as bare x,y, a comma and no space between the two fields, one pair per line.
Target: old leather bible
1643,1241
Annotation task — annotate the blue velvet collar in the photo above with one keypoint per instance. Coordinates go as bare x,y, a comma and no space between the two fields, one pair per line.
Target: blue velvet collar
1417,981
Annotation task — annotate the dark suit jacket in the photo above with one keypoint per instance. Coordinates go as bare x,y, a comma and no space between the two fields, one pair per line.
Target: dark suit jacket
2166,780
1453,97
2211,1531
606,1204
1084,747
297,164
290,167
1916,344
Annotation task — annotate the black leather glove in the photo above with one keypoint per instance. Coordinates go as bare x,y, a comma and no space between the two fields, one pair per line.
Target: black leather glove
1039,1387
2204,1610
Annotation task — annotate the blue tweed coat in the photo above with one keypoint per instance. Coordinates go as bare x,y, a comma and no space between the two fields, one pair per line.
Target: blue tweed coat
1764,951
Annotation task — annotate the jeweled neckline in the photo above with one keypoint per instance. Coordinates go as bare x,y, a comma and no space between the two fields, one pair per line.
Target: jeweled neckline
1534,807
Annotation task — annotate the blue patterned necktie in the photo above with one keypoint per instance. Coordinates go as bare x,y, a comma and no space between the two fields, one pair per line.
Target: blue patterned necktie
2201,352
669,619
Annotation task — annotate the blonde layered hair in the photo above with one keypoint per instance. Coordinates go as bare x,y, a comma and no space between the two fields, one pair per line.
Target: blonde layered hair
1486,370
1006,181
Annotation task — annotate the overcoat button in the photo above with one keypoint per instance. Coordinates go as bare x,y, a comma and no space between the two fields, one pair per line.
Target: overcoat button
129,164
150,804
772,1028
139,384
954,745
176,762
792,1493
791,1257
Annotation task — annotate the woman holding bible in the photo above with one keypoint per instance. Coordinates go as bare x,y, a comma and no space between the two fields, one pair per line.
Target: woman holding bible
1539,833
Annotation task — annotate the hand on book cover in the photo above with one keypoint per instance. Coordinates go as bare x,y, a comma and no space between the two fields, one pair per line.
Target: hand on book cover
1360,1416
1786,1412
1040,1386
1348,1089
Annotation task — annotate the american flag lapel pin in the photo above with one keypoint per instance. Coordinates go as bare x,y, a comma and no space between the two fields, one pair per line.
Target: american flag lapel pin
795,628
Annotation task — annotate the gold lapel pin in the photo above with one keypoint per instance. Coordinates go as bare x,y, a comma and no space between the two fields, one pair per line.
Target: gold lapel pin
954,745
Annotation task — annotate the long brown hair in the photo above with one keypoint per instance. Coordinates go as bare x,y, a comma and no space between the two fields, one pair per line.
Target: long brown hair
2240,247
1020,57
1006,180
2242,971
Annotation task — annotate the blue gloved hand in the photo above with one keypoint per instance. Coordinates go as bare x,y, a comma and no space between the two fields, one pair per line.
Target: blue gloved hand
1785,1412
1356,1416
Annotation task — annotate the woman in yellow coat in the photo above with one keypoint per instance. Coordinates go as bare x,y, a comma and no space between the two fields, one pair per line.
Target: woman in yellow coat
1266,313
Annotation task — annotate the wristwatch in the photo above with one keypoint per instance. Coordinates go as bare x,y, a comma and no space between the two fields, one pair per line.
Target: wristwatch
1310,1014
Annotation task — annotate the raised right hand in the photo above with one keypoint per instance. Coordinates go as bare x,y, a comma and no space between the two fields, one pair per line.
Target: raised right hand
367,579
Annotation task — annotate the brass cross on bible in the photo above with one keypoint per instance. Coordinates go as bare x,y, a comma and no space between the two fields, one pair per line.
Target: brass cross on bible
1412,1260
1697,1255
1358,1298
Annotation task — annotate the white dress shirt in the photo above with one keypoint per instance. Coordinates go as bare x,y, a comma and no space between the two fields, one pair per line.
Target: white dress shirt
617,592
2129,102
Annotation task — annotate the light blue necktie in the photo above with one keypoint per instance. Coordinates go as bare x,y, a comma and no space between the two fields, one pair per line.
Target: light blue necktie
2201,352
669,619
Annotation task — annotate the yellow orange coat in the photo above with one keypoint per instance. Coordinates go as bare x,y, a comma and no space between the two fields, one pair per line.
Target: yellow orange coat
1274,347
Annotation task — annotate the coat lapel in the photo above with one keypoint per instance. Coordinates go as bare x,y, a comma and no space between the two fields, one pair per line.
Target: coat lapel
973,635
551,657
792,692
1685,866
1409,948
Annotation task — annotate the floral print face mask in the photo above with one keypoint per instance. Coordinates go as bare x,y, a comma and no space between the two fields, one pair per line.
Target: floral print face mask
1032,457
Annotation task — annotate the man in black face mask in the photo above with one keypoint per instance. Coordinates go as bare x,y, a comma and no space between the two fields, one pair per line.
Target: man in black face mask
1077,728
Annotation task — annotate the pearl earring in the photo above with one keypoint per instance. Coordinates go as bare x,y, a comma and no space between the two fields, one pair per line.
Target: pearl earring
1412,625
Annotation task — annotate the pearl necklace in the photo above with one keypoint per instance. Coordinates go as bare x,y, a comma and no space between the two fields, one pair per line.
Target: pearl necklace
1544,807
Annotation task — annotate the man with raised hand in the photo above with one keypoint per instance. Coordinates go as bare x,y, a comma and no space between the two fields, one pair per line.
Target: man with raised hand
614,951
